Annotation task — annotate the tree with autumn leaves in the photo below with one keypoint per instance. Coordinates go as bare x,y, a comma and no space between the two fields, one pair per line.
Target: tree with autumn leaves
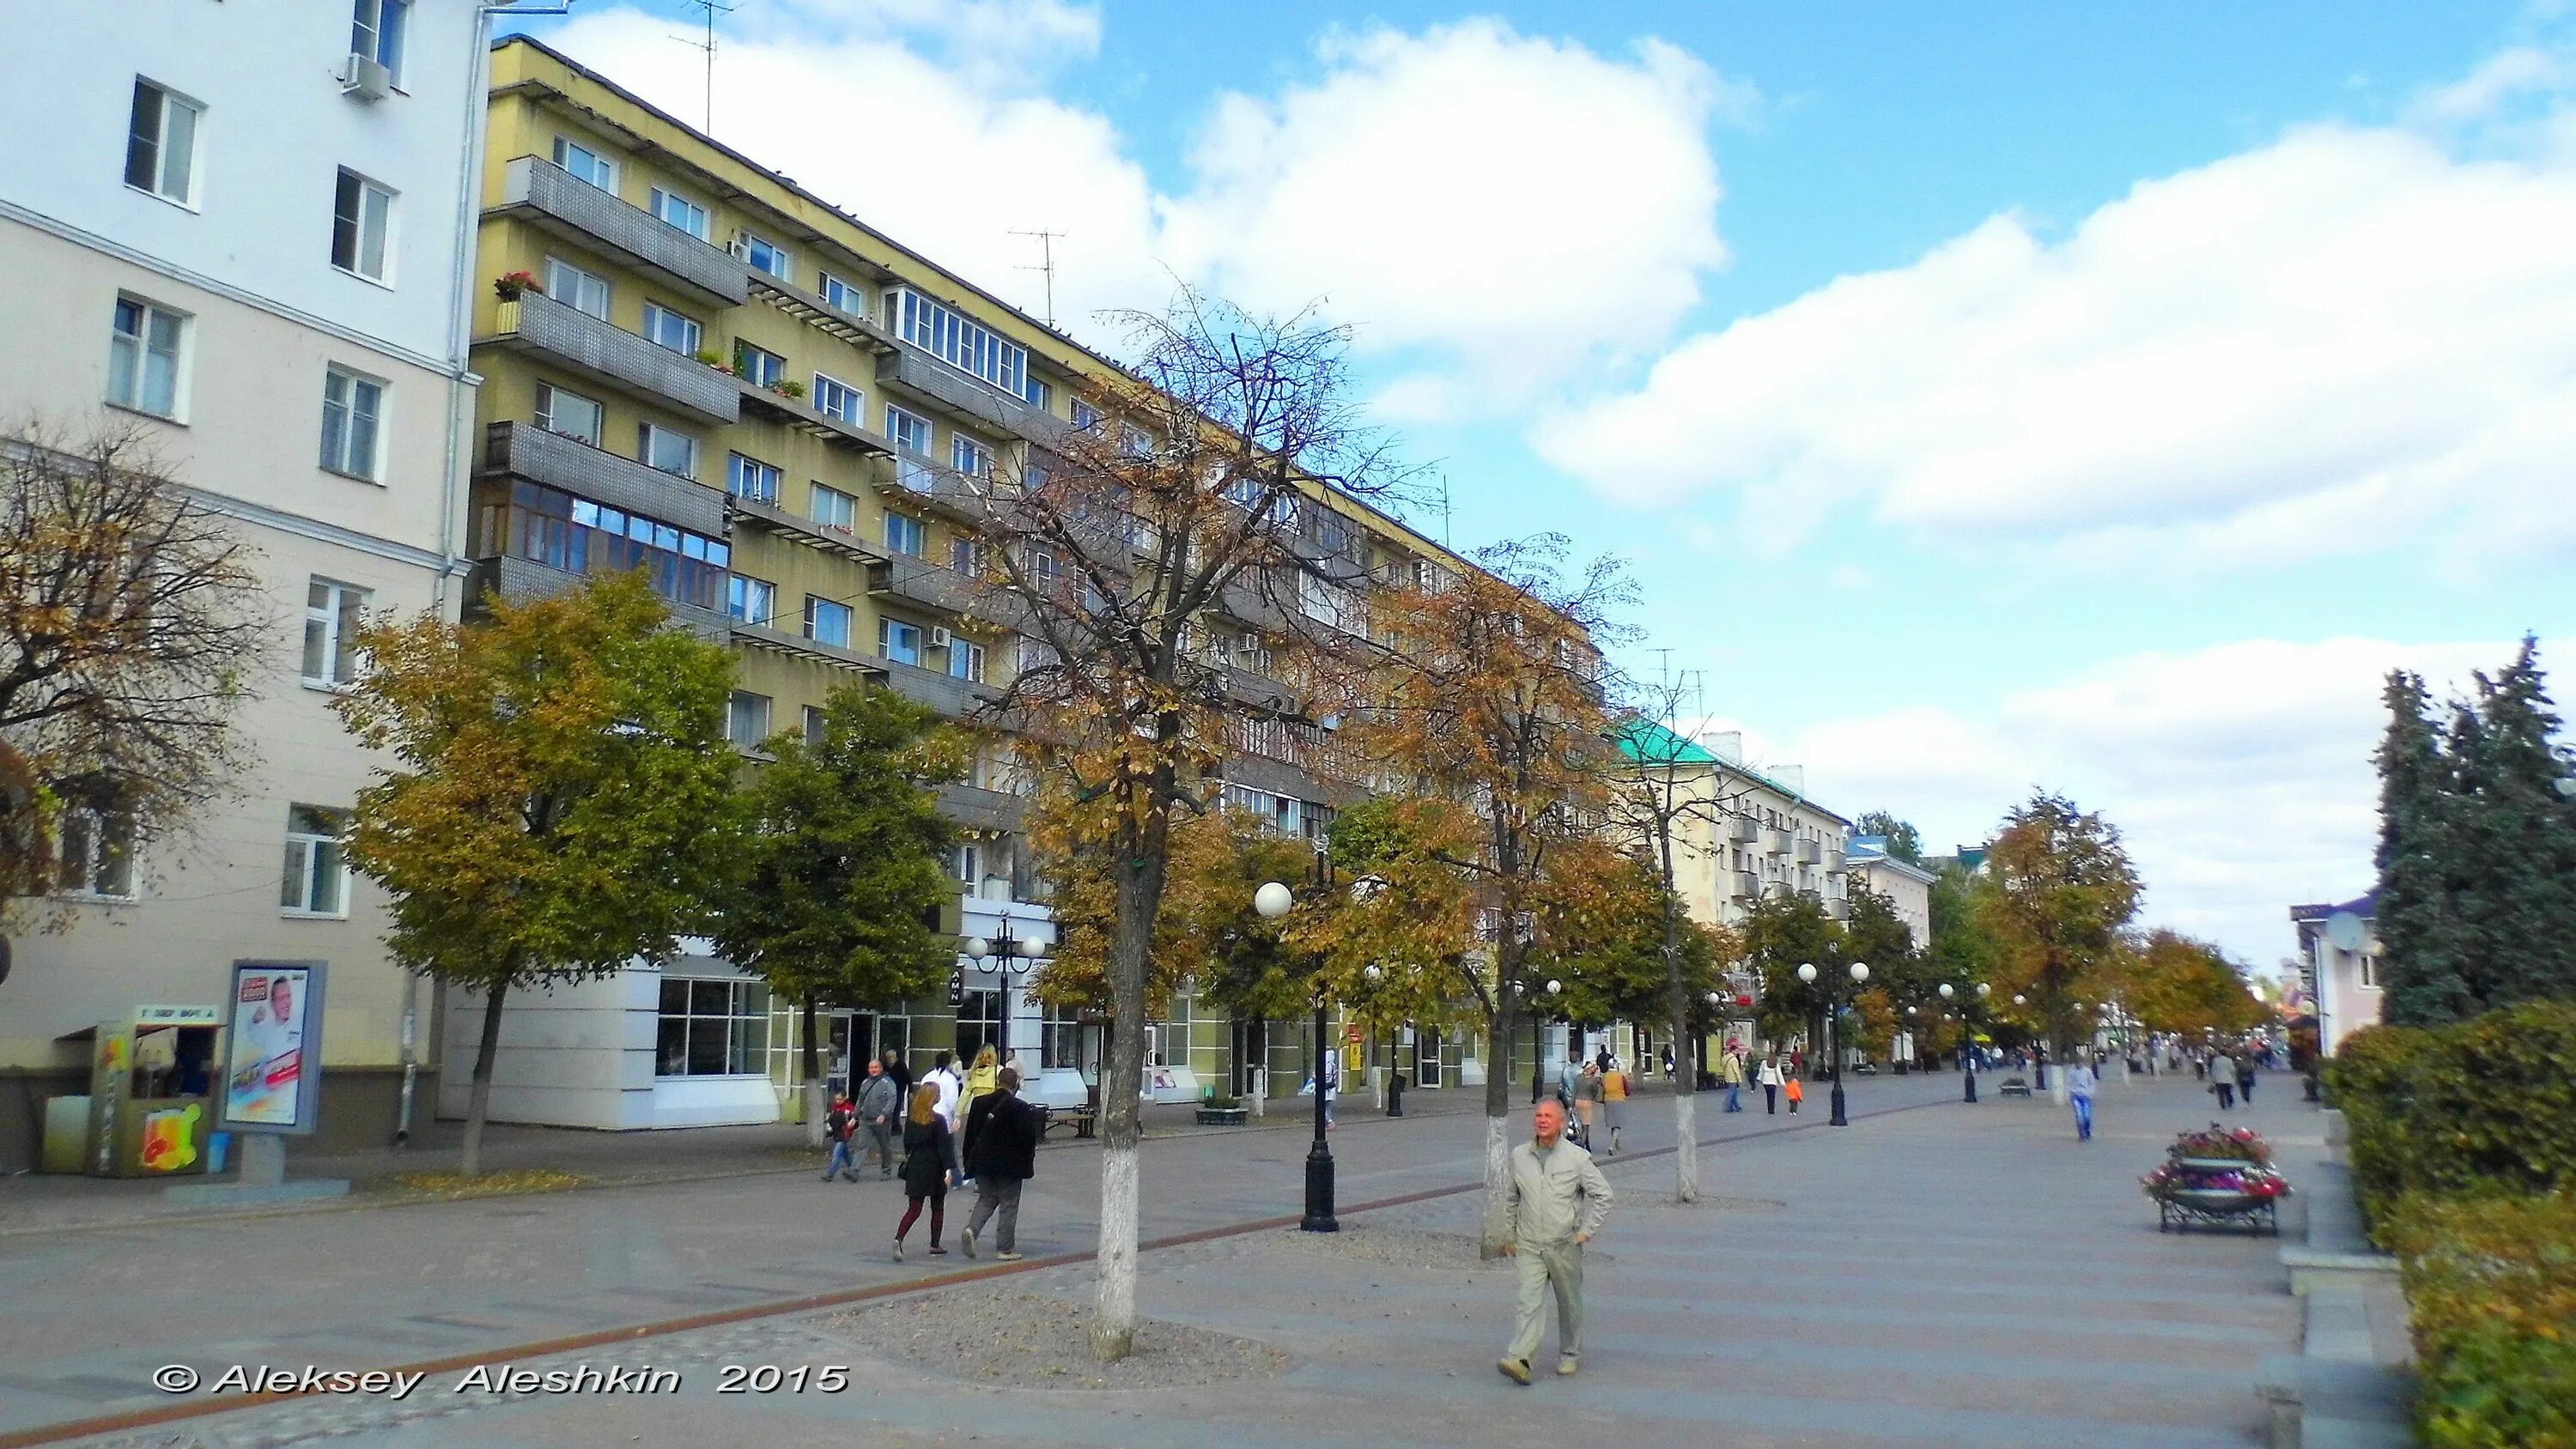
2063,888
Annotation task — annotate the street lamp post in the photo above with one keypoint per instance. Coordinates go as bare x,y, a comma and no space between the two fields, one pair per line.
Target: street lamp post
1834,1032
1271,902
1531,992
1012,959
1970,1008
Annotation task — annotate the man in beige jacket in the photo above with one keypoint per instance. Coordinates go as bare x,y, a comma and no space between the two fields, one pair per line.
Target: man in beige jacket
1556,1201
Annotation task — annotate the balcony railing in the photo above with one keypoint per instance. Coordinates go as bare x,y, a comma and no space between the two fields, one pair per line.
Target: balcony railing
616,356
980,809
912,370
525,450
550,197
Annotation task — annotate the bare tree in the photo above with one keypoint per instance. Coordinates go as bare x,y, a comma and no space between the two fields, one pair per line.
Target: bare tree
128,615
1193,556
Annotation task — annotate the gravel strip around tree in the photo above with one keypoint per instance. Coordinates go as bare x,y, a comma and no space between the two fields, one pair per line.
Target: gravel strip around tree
1028,1340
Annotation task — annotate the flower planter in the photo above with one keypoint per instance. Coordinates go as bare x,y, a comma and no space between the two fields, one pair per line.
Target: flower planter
1223,1116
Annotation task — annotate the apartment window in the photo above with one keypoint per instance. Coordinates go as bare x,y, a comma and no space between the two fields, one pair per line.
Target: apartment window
551,527
679,211
909,431
906,535
751,478
747,719
827,622
815,720
2369,971
671,329
964,345
379,30
143,358
161,144
837,399
757,366
362,218
581,291
833,508
316,882
586,163
842,295
94,854
1085,416
966,661
966,556
569,413
712,1029
970,456
332,613
764,255
672,452
352,406
899,641
753,601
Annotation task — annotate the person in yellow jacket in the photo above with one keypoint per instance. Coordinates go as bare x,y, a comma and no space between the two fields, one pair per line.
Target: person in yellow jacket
1614,1102
984,1076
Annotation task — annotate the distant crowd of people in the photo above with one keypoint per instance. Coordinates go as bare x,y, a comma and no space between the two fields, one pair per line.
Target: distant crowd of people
950,1131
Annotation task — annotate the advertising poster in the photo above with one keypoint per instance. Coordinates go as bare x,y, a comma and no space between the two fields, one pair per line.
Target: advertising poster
273,1054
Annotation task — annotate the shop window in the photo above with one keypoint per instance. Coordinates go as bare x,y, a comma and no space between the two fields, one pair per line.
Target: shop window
712,1029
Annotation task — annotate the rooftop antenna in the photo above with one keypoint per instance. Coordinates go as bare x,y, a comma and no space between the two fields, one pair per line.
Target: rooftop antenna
1444,510
1046,264
713,8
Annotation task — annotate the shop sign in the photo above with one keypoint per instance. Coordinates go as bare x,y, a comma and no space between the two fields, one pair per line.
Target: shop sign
273,1054
150,1016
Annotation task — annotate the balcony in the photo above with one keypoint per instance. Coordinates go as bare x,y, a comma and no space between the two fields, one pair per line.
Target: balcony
774,640
1743,830
921,483
539,324
981,809
776,520
800,414
1809,852
945,693
550,198
1747,886
525,450
909,369
818,314
519,579
1775,842
1836,862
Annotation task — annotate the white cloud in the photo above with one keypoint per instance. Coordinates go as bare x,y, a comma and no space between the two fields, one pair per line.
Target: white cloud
2342,340
1498,209
2240,774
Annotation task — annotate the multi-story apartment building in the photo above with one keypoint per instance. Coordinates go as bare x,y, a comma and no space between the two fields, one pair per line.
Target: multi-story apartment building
236,230
785,416
1907,886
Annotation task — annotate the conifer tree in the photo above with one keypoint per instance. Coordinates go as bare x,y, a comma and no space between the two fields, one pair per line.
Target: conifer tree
2525,841
2421,970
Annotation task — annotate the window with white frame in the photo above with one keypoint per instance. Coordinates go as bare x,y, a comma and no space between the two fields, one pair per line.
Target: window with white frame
667,449
362,223
332,613
94,854
899,641
834,398
569,413
758,365
966,556
316,881
712,1029
585,163
582,291
161,143
908,431
747,719
844,296
751,478
906,535
674,330
679,211
378,31
827,622
764,255
750,600
352,409
967,346
1086,418
833,508
965,660
143,357
970,456
815,723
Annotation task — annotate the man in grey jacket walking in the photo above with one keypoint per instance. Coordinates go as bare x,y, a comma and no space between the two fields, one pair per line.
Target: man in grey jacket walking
880,1109
1556,1200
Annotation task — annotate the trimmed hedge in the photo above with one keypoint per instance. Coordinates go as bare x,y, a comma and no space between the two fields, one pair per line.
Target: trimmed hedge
2483,1105
2491,1293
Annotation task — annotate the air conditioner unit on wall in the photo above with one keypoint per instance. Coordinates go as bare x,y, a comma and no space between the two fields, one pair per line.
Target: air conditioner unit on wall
938,637
365,77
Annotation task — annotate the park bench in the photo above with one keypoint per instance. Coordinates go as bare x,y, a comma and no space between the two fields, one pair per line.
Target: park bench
1084,1119
2014,1087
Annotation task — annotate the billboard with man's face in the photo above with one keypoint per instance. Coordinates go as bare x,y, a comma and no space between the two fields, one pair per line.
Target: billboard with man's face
273,1059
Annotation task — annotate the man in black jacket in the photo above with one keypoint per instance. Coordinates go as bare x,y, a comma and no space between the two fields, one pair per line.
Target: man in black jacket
1001,1151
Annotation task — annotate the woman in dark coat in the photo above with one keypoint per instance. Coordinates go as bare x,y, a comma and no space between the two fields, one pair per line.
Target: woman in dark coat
927,1174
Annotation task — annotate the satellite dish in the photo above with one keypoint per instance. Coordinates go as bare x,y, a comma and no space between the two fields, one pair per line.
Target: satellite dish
2346,931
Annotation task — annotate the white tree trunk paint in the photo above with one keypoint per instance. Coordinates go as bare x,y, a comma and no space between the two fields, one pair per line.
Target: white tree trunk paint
1498,1171
1686,1143
1113,1332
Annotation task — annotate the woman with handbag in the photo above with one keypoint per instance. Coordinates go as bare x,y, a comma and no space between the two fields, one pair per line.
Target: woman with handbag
927,1170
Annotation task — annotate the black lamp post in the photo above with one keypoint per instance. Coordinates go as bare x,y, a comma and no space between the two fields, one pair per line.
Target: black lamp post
1970,1008
1013,959
1273,901
1834,1031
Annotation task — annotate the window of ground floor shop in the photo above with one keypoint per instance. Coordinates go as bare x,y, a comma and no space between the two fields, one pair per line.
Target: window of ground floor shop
712,1029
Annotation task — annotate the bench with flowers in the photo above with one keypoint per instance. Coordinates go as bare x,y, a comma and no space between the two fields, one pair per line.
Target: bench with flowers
2217,1179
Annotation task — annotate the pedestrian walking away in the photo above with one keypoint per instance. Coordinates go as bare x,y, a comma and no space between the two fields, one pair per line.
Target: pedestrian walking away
839,1125
1588,1105
1797,1092
880,1113
943,1075
896,1068
2080,1080
1771,1085
1569,1082
1554,1202
2245,1067
929,1152
980,1079
2222,1078
1001,1154
1614,1102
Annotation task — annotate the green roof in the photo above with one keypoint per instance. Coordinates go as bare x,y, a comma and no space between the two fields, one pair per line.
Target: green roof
1647,742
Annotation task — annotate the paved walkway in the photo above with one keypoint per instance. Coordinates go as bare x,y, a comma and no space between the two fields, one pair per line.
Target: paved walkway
1936,1275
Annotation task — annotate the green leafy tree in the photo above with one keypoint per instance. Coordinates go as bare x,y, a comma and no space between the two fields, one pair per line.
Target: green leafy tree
1903,841
1782,933
561,800
2063,889
844,868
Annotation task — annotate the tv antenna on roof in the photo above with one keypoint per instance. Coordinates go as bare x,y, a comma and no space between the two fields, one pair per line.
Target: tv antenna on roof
1046,264
712,8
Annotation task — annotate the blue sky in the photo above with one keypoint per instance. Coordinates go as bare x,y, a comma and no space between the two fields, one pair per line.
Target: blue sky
2098,397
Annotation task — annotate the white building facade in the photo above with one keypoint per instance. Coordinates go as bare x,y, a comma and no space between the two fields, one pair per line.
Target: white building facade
2339,954
1907,886
236,231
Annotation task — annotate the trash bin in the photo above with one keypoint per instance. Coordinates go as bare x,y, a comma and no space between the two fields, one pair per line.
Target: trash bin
1395,1095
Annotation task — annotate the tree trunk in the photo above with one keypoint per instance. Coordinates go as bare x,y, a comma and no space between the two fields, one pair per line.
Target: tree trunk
1140,893
1498,1110
478,1101
1685,1099
813,1088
